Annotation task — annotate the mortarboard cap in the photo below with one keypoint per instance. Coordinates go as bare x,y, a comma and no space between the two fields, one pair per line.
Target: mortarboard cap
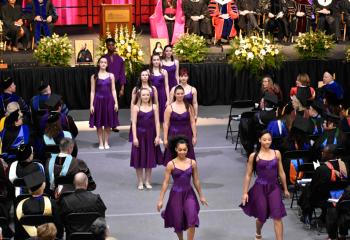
318,106
53,117
330,117
13,117
287,109
43,85
23,152
34,180
271,98
54,101
302,124
6,83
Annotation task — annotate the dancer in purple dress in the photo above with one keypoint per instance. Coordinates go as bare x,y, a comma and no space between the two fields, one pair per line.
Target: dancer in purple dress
190,91
182,209
103,103
264,199
145,151
179,120
159,79
171,65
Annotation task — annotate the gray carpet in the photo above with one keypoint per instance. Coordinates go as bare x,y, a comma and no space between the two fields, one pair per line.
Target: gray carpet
132,213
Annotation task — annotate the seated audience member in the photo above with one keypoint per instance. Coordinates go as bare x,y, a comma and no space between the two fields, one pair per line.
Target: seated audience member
11,107
303,83
331,175
80,201
9,95
197,17
345,118
44,16
267,85
268,112
64,164
37,204
14,26
338,217
330,84
24,165
247,19
331,103
100,229
315,112
299,103
6,200
345,7
15,134
54,104
223,15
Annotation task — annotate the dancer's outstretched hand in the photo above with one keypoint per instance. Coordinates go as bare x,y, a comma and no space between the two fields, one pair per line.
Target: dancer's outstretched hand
203,201
244,199
159,206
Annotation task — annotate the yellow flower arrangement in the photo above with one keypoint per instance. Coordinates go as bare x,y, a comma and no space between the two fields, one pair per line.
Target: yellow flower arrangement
126,46
255,53
54,50
191,48
314,44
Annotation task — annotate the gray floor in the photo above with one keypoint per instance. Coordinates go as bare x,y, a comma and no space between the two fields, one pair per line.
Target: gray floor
132,214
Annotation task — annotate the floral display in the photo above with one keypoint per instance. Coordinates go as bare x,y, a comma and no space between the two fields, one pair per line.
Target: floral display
191,48
254,53
54,50
313,45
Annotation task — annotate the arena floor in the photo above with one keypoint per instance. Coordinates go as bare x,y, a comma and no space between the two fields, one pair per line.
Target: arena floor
132,214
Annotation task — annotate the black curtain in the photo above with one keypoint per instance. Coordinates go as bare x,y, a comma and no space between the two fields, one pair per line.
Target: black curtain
216,83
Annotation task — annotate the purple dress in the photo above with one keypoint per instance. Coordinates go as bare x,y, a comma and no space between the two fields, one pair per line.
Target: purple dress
158,82
264,198
182,209
147,155
180,124
104,114
171,75
189,97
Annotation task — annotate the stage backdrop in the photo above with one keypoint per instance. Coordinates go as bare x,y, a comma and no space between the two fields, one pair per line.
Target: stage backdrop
217,83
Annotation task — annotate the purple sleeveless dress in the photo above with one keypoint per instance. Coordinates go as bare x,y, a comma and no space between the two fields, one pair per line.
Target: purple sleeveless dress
182,209
137,97
189,97
171,75
104,114
180,124
158,82
147,155
265,200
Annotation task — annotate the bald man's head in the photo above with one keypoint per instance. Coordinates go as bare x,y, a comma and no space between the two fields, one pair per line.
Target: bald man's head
80,181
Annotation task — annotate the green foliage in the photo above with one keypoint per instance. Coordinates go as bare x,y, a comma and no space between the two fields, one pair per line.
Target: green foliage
191,48
54,51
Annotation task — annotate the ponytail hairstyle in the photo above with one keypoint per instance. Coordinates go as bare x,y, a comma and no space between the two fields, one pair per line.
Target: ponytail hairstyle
168,46
179,87
262,133
98,68
174,142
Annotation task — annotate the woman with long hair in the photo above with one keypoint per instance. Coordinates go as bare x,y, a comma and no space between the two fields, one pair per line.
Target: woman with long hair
264,199
182,209
267,85
190,91
179,120
143,82
103,103
171,65
159,79
145,151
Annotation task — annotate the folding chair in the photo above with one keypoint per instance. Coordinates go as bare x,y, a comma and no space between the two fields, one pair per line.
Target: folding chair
244,115
79,223
231,117
298,155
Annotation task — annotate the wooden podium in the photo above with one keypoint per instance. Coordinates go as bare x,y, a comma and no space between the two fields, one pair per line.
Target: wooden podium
115,14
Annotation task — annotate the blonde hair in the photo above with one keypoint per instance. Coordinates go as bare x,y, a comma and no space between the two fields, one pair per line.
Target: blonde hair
47,231
11,107
295,100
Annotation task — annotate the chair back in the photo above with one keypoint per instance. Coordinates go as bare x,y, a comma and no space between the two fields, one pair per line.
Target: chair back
82,236
80,222
35,220
242,104
249,114
19,182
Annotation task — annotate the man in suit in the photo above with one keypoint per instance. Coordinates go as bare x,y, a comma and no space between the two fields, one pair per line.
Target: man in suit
79,202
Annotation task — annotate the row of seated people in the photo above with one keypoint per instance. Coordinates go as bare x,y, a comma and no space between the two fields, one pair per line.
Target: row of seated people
42,123
316,125
283,18
39,16
50,191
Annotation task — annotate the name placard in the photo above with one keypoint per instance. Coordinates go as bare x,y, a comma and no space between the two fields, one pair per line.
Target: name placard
117,15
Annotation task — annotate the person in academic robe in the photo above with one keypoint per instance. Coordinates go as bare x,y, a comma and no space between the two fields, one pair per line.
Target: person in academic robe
344,5
80,201
268,112
247,15
329,84
44,16
64,164
14,27
197,17
327,12
223,13
9,95
277,20
36,204
301,15
169,13
316,111
13,135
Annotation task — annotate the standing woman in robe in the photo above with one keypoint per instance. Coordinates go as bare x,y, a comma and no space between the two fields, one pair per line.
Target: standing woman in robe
179,120
190,91
171,65
103,103
159,79
145,151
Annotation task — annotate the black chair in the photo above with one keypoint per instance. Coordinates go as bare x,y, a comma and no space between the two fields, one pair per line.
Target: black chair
79,223
82,236
231,117
35,220
296,154
248,115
